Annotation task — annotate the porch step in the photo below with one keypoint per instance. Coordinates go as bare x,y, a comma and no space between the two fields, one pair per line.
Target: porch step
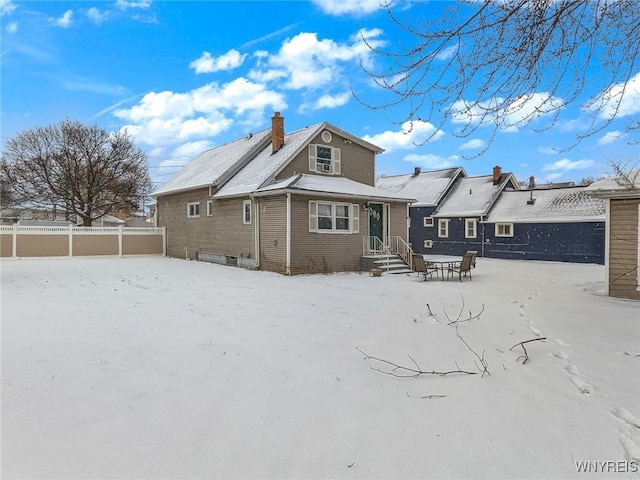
392,264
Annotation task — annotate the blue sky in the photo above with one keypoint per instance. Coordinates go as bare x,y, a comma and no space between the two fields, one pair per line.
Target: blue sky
183,77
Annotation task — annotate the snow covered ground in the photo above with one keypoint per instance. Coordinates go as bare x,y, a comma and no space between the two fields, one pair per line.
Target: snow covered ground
163,368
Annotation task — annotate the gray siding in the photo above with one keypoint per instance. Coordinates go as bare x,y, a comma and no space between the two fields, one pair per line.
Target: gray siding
222,233
357,163
623,249
313,252
273,233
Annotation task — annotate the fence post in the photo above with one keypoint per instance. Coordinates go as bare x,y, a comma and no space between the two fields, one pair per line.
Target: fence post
14,248
71,240
120,234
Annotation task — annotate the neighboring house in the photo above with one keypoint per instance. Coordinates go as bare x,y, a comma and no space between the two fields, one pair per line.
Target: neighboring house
559,224
456,224
302,202
622,247
429,188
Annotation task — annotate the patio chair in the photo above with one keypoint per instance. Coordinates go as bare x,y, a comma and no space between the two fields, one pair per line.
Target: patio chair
474,254
463,268
422,267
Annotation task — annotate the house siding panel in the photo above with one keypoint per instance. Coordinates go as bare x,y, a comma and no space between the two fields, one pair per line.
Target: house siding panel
313,252
623,254
273,233
222,233
357,162
454,244
576,242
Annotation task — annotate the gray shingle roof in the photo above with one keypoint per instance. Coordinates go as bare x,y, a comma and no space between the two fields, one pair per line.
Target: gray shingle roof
472,196
426,187
554,205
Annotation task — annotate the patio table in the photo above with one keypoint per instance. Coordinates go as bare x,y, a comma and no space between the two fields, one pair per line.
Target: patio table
443,265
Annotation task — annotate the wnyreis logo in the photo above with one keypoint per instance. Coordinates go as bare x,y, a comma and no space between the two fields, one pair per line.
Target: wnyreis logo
622,466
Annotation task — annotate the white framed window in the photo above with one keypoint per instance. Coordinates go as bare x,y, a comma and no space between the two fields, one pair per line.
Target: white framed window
193,210
443,227
427,221
324,159
504,229
428,244
209,208
470,228
332,217
246,212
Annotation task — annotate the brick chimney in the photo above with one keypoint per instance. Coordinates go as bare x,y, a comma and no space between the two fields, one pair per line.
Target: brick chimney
497,174
532,182
277,132
417,171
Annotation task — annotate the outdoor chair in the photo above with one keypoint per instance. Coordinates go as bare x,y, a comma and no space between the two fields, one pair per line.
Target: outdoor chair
474,254
422,267
463,268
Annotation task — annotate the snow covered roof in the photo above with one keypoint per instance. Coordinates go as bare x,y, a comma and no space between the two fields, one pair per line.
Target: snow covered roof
473,196
549,205
210,166
266,164
426,187
627,186
331,186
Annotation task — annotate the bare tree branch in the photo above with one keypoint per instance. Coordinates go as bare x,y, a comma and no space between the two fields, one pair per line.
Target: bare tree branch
525,357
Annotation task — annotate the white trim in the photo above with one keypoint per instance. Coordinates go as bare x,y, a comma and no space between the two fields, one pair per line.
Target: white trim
427,222
428,244
288,235
256,232
386,219
314,216
335,165
467,221
504,235
607,244
246,203
443,222
193,204
209,208
326,136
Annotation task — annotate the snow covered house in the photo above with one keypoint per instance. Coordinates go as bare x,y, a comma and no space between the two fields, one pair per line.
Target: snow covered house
302,202
456,226
622,238
428,188
559,224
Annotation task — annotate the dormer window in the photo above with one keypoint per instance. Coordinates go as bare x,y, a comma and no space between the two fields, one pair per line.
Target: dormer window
324,159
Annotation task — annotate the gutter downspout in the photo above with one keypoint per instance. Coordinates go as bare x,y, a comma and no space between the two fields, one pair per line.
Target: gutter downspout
256,230
288,245
482,246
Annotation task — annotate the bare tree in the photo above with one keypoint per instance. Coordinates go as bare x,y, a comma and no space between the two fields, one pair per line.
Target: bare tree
82,170
507,63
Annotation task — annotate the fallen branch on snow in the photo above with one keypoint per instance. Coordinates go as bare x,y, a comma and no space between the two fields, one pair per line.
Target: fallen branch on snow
525,357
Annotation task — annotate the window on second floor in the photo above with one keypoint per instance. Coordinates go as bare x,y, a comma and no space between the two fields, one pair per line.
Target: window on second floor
443,227
193,210
324,159
470,228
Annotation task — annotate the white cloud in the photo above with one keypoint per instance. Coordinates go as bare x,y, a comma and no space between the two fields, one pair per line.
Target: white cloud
356,8
166,118
12,27
64,21
432,161
610,137
447,53
333,101
547,150
208,64
552,176
473,144
192,149
95,15
123,4
307,62
411,135
6,7
509,118
620,100
567,165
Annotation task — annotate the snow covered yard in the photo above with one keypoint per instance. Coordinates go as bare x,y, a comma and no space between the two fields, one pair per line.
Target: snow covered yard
163,368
